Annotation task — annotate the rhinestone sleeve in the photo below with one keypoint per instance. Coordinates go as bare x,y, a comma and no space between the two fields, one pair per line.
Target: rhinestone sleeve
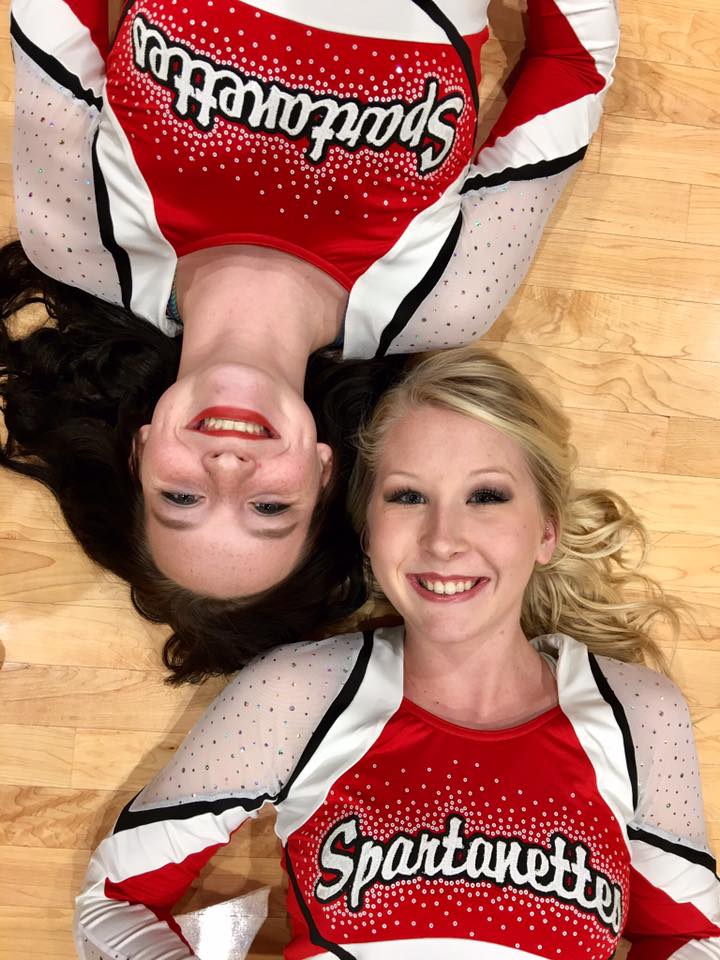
669,790
502,227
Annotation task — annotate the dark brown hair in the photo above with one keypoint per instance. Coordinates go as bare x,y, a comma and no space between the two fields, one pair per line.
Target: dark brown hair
74,392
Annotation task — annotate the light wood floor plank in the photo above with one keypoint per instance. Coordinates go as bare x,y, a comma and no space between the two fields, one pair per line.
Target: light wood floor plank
55,573
58,818
589,320
666,503
582,261
686,562
693,447
704,215
79,635
671,33
660,151
626,206
137,756
666,92
26,749
584,378
707,731
619,441
99,699
41,875
41,933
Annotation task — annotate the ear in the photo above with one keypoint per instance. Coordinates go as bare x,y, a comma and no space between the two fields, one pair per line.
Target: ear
138,446
325,455
548,541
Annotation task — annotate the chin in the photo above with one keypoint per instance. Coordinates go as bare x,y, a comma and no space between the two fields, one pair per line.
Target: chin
443,629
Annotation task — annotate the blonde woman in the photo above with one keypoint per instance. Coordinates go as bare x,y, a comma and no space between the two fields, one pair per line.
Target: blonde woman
501,776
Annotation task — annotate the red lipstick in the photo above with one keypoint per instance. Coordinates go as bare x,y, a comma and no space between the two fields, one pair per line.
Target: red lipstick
232,413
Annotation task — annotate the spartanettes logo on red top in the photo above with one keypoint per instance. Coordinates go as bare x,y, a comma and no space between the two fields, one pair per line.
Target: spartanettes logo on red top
204,90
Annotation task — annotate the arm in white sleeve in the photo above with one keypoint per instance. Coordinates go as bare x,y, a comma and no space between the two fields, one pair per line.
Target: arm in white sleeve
501,229
674,909
555,104
59,50
242,754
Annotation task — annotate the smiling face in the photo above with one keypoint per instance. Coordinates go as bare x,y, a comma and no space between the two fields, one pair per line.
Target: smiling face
455,526
231,471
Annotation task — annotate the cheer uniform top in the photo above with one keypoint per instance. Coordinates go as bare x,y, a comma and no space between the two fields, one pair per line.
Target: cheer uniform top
342,133
408,836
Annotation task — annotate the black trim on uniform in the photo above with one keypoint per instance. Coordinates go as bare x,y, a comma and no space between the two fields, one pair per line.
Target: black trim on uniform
341,702
610,697
412,300
531,171
53,68
457,40
315,936
107,233
129,820
699,857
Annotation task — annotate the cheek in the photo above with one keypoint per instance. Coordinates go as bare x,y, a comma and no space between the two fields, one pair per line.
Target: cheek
165,456
291,473
392,544
511,542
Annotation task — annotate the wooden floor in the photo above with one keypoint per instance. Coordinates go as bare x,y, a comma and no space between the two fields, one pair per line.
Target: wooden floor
620,319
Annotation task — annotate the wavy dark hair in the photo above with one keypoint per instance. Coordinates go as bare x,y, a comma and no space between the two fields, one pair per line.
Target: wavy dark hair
74,392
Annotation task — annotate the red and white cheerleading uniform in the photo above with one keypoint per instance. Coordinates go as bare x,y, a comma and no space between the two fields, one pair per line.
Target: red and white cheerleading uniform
406,836
339,132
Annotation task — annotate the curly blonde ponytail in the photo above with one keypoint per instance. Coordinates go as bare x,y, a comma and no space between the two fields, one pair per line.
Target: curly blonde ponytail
592,588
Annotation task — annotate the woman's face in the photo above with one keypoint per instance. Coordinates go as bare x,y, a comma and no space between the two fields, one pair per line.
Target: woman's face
455,526
231,471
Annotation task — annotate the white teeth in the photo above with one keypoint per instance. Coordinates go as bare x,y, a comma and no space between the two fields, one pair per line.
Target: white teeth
239,426
449,588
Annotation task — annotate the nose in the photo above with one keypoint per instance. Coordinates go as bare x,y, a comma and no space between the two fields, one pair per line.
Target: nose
442,535
229,466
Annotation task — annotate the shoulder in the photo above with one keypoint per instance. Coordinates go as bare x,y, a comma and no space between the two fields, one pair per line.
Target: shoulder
643,694
641,689
317,668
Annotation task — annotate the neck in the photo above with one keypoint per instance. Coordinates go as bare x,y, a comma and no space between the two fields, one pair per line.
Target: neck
496,681
255,306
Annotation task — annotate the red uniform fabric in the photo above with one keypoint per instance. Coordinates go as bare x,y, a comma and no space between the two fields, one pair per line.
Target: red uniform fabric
321,144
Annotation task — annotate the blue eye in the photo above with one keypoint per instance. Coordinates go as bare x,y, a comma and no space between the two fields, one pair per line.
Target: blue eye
270,509
181,499
488,495
407,497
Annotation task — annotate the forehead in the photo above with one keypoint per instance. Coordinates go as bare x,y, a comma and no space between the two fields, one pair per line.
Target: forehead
435,436
224,560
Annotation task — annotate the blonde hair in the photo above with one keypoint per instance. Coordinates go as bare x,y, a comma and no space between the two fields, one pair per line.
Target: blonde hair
592,588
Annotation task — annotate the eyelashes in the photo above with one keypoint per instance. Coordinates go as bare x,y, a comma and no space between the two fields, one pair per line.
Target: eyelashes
263,508
489,495
483,495
270,509
180,499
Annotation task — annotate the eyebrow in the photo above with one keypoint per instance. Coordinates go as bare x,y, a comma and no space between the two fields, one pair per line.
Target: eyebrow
270,533
473,473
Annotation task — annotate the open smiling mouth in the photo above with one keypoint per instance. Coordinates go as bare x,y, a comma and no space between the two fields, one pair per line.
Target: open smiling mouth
233,422
433,587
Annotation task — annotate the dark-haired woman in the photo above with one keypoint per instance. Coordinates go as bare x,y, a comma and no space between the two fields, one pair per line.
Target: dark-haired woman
283,177
500,777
